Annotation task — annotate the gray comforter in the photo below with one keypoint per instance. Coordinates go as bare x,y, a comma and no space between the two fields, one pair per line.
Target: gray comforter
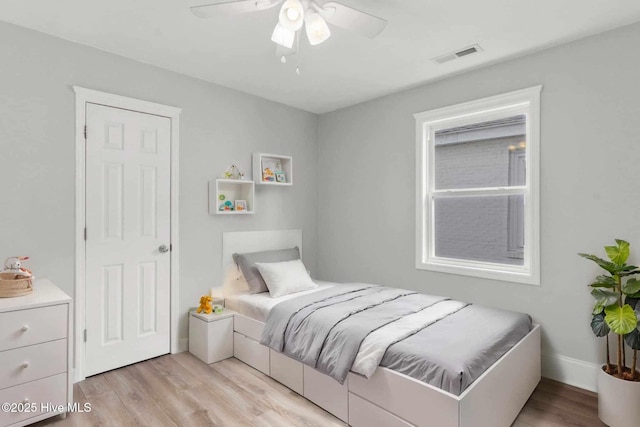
324,330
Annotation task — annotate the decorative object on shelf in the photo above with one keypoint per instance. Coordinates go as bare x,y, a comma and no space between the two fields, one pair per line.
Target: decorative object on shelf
272,169
241,205
218,309
205,304
226,206
268,175
233,173
15,280
617,310
281,177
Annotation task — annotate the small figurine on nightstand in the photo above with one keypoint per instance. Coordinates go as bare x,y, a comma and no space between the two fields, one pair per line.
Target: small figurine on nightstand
205,305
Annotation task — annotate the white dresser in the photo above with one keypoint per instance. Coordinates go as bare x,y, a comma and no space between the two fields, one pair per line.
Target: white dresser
35,355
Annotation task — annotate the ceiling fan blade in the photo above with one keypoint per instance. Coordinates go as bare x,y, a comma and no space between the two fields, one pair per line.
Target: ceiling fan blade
231,7
352,19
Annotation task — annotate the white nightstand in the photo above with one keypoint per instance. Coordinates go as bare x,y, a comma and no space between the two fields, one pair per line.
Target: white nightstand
211,336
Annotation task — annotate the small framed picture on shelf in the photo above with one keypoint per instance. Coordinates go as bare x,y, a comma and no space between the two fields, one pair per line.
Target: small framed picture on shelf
281,177
241,205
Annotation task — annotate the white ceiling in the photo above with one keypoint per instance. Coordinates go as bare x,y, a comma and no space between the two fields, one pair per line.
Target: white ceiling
347,69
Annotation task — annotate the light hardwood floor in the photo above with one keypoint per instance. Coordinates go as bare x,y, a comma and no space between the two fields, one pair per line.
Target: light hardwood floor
180,390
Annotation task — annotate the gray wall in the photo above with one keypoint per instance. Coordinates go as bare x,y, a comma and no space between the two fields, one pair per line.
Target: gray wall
218,127
589,189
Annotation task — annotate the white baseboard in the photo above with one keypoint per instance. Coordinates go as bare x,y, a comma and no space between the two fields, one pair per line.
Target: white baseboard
575,372
183,345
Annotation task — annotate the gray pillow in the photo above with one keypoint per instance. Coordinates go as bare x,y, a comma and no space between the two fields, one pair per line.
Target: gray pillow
247,264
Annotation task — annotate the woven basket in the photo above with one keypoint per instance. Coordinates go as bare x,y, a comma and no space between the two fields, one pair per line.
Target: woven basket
14,286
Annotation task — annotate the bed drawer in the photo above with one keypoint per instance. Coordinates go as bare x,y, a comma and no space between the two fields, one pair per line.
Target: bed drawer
419,403
248,327
287,371
33,326
51,390
326,392
366,414
251,352
30,363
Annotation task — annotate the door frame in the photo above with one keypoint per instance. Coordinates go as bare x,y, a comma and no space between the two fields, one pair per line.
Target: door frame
84,96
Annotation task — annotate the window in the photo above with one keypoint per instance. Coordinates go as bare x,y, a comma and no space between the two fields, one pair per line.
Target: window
477,188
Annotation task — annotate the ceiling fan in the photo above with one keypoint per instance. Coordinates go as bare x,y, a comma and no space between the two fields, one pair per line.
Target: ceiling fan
295,14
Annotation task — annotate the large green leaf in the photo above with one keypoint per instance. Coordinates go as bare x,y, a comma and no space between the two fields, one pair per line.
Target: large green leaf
599,326
632,287
618,254
604,298
604,281
627,270
621,320
609,266
633,339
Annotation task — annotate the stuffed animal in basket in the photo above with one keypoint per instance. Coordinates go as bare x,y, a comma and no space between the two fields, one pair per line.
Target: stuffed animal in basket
14,265
205,305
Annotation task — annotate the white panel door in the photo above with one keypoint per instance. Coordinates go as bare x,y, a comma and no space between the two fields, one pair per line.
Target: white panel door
128,222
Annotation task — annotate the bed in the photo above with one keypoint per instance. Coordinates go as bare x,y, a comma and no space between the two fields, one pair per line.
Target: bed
395,395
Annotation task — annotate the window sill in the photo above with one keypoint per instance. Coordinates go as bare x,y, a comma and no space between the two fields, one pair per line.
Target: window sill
481,270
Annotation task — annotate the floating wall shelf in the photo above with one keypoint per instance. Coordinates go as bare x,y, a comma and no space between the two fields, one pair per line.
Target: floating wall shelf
275,164
225,193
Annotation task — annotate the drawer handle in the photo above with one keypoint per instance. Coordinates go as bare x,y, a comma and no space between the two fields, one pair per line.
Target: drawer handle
24,328
25,365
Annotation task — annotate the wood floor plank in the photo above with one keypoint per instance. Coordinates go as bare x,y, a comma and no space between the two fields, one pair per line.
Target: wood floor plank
289,405
94,386
180,390
136,399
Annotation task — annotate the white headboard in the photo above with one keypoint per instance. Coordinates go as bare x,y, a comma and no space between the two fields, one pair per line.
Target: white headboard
255,241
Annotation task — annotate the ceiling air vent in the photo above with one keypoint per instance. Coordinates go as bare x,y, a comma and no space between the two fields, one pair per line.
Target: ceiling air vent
470,50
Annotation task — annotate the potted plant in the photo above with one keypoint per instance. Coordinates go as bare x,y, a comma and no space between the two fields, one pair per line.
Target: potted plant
617,310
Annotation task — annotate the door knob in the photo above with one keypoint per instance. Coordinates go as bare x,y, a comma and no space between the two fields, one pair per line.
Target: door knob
163,249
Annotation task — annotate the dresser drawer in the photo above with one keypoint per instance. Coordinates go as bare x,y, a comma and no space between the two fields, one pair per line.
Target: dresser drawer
33,362
51,391
33,326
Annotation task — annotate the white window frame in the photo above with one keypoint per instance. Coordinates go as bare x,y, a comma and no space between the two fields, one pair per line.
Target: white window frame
527,102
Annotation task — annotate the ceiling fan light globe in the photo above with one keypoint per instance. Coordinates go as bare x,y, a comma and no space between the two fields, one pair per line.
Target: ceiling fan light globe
283,36
291,15
317,29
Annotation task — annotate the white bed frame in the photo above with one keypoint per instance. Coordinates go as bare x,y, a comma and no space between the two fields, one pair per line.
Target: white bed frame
389,398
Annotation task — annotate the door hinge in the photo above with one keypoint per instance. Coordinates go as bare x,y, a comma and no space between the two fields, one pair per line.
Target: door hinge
85,132
170,247
85,335
85,234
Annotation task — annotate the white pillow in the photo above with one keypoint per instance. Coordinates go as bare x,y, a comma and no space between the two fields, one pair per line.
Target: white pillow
284,278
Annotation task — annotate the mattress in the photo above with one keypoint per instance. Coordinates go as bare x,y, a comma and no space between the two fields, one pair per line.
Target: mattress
449,354
257,306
